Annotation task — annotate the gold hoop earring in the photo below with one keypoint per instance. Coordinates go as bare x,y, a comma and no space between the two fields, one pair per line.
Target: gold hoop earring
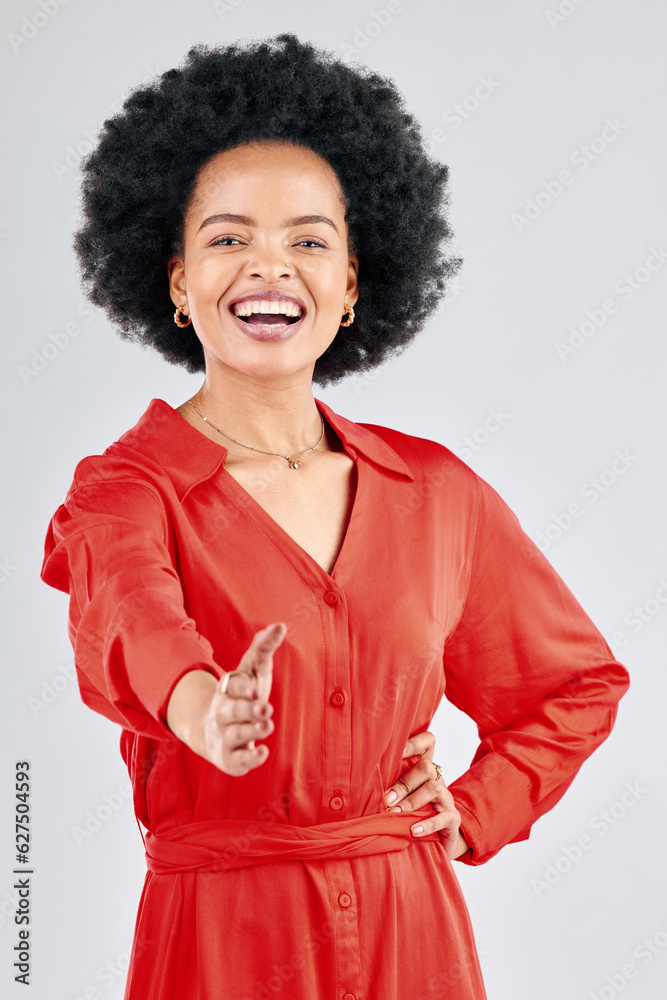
350,316
177,317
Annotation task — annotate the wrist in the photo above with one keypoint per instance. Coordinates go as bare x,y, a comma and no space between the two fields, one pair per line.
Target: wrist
462,845
188,704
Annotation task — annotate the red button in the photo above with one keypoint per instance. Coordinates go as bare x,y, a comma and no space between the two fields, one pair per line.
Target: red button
349,996
337,698
344,900
336,802
330,597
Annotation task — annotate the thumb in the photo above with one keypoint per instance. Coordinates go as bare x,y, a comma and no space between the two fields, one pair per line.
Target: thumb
258,658
265,642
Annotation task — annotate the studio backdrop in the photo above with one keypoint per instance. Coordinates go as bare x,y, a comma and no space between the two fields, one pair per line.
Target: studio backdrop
543,369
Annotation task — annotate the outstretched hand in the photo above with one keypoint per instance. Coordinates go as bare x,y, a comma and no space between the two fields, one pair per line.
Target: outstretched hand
417,786
222,728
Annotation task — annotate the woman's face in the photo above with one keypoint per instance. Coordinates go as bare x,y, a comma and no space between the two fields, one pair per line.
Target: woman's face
255,209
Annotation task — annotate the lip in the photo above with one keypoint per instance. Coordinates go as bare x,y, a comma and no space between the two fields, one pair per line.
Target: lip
259,331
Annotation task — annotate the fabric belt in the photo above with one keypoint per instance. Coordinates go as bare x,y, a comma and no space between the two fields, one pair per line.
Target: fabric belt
222,844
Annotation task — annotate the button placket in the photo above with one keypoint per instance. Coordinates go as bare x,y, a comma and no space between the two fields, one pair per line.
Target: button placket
336,792
344,915
336,775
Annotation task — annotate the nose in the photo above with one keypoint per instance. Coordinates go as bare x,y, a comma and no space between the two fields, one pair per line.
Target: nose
269,263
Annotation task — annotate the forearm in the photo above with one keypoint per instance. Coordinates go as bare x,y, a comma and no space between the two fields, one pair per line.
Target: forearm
462,845
187,707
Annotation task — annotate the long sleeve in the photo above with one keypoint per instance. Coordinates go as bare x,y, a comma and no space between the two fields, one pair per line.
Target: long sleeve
107,546
528,665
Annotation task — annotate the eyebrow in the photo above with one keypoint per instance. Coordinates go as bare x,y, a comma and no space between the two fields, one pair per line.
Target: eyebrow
245,220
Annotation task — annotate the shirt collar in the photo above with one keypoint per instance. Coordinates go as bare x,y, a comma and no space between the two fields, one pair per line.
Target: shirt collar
360,438
190,457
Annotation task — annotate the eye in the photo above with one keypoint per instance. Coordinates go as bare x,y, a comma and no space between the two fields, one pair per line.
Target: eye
315,243
224,241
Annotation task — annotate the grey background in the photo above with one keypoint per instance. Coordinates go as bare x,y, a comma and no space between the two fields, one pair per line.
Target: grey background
552,81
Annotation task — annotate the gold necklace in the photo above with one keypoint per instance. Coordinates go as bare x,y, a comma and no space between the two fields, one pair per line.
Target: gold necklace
291,460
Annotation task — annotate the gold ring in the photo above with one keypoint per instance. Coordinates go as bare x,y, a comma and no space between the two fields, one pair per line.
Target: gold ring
225,682
438,771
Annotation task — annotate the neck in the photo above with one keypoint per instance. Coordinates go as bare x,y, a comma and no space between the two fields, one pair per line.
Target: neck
276,415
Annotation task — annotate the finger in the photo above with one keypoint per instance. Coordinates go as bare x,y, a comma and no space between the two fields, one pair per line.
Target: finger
232,727
446,820
242,737
241,734
227,714
410,780
241,710
245,758
257,661
428,791
248,721
431,789
258,656
239,685
242,682
420,743
253,757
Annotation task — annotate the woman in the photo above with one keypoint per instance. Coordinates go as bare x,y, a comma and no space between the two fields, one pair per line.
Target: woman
251,566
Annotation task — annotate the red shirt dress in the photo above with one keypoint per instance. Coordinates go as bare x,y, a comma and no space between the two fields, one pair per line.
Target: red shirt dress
293,880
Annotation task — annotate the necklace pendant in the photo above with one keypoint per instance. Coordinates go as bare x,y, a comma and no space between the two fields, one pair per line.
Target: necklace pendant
292,463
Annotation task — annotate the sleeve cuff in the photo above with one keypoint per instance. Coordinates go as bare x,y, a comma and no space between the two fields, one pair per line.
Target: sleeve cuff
493,798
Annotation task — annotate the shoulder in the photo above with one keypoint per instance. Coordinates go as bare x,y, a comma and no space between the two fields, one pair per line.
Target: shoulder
116,473
118,481
111,504
107,495
122,481
443,481
429,461
132,457
145,459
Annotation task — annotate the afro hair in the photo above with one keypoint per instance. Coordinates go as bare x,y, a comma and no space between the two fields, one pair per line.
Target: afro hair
138,180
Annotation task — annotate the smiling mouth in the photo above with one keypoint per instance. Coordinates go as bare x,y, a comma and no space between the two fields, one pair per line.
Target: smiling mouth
269,319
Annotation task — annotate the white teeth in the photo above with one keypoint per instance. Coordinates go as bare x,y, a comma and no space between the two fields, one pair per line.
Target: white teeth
250,306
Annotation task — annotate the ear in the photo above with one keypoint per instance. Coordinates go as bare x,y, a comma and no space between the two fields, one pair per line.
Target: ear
176,273
352,279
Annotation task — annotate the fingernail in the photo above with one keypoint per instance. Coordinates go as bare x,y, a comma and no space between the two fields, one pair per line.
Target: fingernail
417,829
405,751
391,796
